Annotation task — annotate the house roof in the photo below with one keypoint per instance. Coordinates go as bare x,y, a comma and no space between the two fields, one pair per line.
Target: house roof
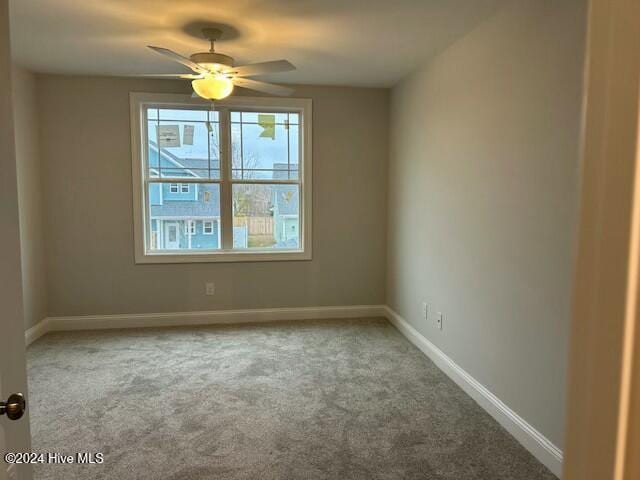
184,210
194,165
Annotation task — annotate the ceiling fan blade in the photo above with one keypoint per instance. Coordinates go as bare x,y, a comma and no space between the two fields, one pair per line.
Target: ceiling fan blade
262,68
178,58
170,75
262,86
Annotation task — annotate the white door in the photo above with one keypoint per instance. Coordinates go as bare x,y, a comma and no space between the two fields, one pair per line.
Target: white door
171,235
14,435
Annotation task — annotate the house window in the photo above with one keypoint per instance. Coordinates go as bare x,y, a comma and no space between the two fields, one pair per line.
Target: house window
249,163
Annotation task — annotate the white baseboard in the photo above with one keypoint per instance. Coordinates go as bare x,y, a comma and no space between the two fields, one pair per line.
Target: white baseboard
216,317
35,332
536,443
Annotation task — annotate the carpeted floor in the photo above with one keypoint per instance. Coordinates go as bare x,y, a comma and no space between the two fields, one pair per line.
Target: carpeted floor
347,399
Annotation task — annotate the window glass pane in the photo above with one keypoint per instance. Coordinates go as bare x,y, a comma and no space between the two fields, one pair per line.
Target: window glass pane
183,114
255,117
177,216
184,148
264,146
213,129
266,216
236,150
184,144
294,151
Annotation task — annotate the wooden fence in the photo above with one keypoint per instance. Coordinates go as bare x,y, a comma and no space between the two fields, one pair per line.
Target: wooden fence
255,225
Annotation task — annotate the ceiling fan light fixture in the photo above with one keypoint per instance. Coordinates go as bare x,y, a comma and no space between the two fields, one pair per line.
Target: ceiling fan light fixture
214,67
215,74
213,87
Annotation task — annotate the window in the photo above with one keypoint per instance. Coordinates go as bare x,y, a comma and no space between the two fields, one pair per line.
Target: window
241,168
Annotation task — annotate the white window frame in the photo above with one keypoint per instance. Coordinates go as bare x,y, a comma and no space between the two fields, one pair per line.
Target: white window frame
174,188
182,190
138,105
204,227
192,228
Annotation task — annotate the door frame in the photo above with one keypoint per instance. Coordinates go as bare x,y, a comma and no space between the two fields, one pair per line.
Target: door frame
603,410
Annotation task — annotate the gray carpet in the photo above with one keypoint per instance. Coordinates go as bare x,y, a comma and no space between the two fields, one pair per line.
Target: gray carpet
347,399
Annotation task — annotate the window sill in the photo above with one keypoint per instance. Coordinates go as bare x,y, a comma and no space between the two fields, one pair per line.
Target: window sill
223,256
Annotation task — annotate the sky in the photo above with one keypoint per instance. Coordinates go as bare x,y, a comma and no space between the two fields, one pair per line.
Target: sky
248,135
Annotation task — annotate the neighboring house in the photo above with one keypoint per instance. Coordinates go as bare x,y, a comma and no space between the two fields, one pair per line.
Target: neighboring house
286,208
183,215
186,215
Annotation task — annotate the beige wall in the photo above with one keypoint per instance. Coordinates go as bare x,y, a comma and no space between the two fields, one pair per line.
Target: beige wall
32,243
483,184
86,167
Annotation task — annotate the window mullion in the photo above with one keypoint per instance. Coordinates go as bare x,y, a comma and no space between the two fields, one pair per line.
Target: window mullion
226,201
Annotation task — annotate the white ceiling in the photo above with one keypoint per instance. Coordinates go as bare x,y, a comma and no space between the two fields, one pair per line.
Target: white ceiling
332,42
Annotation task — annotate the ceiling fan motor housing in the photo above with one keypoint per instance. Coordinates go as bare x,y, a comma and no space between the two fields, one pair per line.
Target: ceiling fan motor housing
212,58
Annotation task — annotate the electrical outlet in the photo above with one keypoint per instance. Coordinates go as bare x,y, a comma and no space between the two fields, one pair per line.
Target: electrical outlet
210,288
439,319
425,310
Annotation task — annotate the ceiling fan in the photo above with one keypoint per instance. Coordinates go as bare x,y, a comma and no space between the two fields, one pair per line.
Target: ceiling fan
215,75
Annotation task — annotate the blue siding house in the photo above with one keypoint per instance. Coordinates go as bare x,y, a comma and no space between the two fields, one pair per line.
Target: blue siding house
183,215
